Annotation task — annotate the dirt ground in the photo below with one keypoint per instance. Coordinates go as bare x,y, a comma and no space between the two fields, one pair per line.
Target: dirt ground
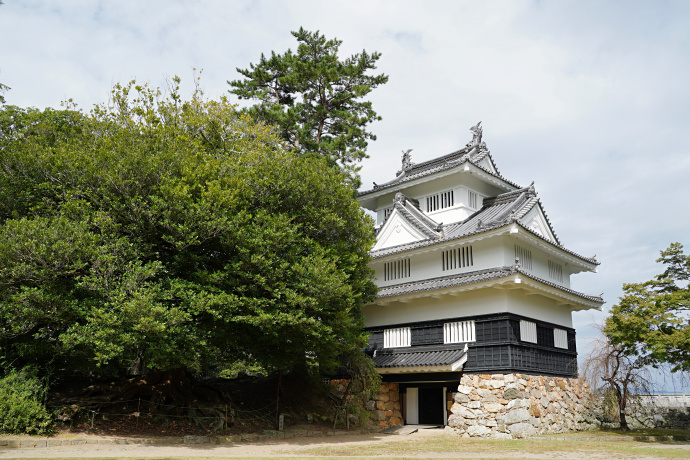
435,443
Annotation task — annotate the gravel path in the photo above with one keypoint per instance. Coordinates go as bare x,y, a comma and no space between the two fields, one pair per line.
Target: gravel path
337,446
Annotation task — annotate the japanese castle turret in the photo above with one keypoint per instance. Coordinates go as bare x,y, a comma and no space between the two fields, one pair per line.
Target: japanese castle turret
472,280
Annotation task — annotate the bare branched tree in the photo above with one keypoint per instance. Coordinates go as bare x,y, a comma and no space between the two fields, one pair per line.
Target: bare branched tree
617,375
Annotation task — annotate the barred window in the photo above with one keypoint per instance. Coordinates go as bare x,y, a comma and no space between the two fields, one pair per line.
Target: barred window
472,199
560,338
387,212
458,332
555,271
457,258
439,201
396,270
528,331
398,337
524,256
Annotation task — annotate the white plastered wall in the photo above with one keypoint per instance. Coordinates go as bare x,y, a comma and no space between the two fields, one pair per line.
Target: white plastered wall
487,253
469,303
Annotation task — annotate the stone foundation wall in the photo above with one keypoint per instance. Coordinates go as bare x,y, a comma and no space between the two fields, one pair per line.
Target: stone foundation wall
385,408
517,406
639,416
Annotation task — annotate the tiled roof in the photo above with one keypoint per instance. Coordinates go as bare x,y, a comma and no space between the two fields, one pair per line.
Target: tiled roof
496,212
478,276
443,282
472,154
410,210
420,356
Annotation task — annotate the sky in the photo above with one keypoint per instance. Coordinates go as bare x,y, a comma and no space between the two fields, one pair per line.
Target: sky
589,99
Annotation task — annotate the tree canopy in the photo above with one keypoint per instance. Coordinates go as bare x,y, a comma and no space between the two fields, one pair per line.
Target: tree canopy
164,233
315,100
652,319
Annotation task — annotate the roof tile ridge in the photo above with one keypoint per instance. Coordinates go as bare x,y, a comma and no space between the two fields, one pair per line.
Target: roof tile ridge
595,298
507,196
498,269
419,214
422,222
592,259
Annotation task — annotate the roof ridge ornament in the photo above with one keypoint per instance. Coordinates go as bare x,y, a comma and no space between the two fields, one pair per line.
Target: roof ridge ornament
406,162
476,136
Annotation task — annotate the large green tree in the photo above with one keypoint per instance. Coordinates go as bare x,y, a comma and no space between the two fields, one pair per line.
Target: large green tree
652,319
316,100
169,233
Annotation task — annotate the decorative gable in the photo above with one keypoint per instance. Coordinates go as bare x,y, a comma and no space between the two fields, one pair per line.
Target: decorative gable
488,165
398,230
406,224
536,221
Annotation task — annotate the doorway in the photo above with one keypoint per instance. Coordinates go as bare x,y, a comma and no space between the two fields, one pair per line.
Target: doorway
425,406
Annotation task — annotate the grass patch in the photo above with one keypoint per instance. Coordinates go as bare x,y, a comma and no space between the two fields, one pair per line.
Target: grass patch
452,445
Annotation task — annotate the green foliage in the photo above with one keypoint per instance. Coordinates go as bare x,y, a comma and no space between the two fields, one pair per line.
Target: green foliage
21,407
314,99
175,234
652,319
3,88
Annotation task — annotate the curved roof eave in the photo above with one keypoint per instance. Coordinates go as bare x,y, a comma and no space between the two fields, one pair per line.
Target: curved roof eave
412,246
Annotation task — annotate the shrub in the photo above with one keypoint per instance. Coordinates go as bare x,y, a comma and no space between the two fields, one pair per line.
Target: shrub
21,406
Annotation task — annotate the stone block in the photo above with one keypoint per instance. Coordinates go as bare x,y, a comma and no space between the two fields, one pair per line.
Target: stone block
511,393
388,413
535,393
390,405
475,397
491,423
371,405
461,398
534,410
490,399
396,421
517,416
385,397
462,411
544,401
379,415
396,405
464,389
496,383
384,424
456,421
474,404
509,378
380,405
483,392
500,435
478,431
492,407
394,396
497,377
522,430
